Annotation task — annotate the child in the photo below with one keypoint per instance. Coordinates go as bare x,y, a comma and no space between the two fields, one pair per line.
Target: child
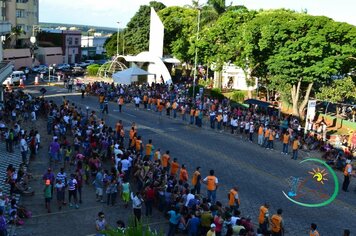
126,192
48,195
67,156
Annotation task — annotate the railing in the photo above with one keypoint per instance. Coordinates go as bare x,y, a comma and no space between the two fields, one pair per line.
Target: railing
5,70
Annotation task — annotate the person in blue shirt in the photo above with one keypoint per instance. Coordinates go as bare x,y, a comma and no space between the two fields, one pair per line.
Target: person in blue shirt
193,226
174,218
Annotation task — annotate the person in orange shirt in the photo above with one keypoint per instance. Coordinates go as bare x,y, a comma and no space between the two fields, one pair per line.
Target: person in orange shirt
234,198
154,104
133,142
192,112
174,167
183,174
165,161
168,108
160,109
260,135
347,175
196,180
131,135
120,101
211,184
149,103
174,108
285,142
145,101
266,136
219,120
183,110
149,149
272,133
139,146
313,231
263,219
277,224
295,147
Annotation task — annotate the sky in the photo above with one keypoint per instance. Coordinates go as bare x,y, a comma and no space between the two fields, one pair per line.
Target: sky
109,12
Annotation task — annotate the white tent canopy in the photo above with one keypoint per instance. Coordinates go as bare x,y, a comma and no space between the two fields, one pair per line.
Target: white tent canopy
129,75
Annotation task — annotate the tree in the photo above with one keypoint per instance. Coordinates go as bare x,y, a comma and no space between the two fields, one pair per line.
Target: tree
136,32
180,25
297,51
338,91
16,32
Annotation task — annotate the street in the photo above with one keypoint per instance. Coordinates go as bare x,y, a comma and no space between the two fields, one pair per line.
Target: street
260,175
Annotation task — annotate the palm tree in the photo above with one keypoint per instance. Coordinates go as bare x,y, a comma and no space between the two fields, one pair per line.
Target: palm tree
16,32
218,5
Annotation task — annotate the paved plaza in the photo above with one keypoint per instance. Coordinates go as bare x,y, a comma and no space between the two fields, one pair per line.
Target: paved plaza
260,174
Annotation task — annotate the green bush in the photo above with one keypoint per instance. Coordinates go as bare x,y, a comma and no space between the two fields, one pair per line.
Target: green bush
133,230
216,93
238,96
93,69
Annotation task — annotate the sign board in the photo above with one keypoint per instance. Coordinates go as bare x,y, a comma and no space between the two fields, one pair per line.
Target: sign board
310,113
201,91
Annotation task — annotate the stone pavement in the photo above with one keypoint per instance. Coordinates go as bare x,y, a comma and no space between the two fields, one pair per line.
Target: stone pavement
261,175
7,158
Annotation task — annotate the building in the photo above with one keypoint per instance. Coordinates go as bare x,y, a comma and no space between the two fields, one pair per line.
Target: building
23,14
68,40
232,77
94,45
5,66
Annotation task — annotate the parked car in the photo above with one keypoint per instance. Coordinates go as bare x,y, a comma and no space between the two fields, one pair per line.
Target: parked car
63,66
25,69
14,78
77,71
39,68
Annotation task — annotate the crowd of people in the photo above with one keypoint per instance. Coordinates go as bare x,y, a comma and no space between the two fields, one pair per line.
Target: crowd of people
119,161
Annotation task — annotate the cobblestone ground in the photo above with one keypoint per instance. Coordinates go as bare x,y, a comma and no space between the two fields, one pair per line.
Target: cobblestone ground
260,174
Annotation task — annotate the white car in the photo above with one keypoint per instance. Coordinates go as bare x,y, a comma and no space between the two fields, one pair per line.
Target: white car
14,78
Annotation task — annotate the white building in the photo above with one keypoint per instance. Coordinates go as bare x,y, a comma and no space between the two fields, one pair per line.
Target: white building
96,42
233,77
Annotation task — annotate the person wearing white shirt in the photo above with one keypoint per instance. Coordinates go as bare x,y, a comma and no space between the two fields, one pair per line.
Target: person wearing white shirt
24,149
233,124
137,102
190,196
137,202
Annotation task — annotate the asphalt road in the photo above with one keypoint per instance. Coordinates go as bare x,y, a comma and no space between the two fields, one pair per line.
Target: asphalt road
260,174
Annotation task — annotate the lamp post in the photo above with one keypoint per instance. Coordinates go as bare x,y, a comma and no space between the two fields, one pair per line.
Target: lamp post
33,41
117,38
196,55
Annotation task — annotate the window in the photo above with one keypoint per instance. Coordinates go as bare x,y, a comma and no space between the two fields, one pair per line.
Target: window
21,1
20,13
76,41
70,41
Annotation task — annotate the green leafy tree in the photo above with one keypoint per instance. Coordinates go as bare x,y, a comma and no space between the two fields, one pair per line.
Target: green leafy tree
180,25
296,51
340,90
136,33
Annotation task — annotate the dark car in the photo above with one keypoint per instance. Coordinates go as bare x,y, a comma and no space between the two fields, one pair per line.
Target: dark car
25,69
77,71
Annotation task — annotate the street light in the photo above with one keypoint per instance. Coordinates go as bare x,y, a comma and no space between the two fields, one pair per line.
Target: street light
196,54
33,42
117,38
